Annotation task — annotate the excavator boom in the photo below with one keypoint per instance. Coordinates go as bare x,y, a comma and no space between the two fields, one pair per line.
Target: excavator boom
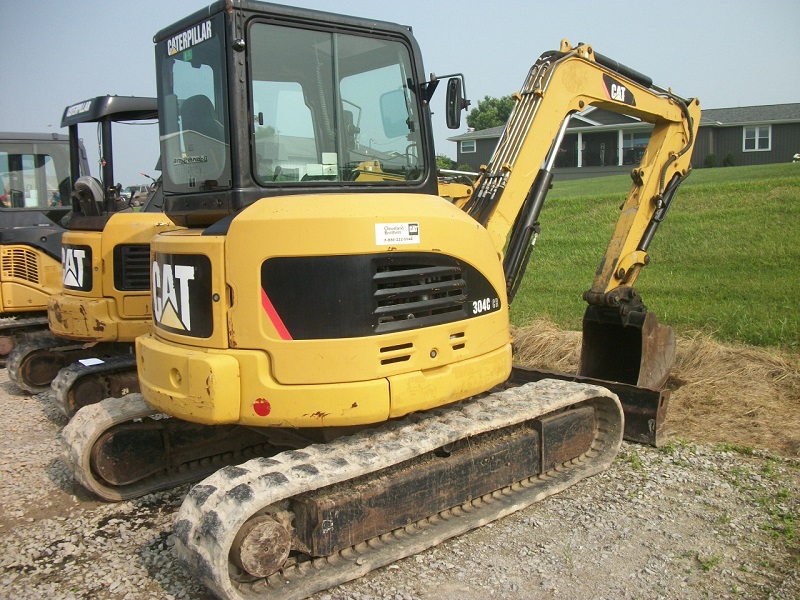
622,342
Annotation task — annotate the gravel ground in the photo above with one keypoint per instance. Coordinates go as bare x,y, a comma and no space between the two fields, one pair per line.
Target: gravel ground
688,521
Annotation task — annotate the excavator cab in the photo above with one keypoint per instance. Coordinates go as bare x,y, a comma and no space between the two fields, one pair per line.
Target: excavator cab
35,183
97,199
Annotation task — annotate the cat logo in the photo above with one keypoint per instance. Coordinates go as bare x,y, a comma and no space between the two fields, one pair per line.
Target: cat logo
76,267
181,291
617,91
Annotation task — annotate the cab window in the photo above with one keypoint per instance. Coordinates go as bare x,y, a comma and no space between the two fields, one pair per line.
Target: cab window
334,108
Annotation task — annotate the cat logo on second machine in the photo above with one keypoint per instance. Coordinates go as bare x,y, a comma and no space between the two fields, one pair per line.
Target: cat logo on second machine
181,291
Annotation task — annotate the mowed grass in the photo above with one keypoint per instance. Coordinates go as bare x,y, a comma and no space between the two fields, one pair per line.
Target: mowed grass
726,260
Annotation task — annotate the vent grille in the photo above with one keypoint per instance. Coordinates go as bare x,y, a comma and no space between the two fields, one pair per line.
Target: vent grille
396,354
21,263
458,341
132,267
410,296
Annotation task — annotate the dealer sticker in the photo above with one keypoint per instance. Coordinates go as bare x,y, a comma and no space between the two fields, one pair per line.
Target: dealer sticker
389,234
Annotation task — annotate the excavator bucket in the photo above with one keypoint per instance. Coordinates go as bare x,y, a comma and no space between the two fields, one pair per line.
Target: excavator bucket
638,352
632,356
632,360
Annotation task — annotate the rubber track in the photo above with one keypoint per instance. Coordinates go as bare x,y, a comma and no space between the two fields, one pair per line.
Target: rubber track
68,376
11,323
215,509
44,341
92,421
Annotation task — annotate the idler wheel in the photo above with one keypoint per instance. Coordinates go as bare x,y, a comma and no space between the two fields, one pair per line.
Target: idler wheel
7,344
38,370
261,546
89,390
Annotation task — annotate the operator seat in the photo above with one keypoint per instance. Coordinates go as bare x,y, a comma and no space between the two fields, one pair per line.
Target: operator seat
197,114
89,194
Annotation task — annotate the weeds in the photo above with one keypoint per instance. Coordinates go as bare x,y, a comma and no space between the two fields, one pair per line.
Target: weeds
737,448
634,460
569,556
708,563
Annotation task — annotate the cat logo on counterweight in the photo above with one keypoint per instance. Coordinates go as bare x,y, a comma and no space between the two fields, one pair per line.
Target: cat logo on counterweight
181,289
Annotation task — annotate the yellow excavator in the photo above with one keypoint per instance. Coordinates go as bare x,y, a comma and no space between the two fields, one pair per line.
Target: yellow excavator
103,301
328,315
35,183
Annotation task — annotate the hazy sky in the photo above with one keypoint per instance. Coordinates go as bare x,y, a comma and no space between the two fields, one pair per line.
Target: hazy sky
727,53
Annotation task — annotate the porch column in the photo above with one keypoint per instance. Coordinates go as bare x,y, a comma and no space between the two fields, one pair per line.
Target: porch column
580,149
619,147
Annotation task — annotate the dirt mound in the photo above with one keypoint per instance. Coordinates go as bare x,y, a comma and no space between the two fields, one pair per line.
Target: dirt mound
725,393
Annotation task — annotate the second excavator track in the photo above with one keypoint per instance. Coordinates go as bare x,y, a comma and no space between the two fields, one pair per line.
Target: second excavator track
188,463
79,385
215,513
34,364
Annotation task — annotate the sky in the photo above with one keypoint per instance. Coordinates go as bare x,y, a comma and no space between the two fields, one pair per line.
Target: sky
726,53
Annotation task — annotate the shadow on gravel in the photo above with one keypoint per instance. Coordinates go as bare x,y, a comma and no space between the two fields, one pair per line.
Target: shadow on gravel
12,389
59,474
157,555
49,409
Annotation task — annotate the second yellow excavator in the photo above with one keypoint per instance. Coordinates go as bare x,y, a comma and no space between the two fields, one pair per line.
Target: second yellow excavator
104,301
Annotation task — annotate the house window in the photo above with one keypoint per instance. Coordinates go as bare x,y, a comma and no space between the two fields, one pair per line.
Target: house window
633,146
467,146
757,138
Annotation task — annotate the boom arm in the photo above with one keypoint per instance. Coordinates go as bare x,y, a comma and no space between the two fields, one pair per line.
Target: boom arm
558,85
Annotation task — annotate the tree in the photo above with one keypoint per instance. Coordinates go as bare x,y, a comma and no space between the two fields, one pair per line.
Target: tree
444,162
490,112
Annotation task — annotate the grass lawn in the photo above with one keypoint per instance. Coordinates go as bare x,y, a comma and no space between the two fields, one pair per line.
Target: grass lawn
725,260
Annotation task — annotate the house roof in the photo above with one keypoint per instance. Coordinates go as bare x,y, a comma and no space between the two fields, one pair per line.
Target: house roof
773,113
492,132
597,118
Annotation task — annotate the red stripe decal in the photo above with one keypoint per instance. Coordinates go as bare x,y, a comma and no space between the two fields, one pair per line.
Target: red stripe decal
274,317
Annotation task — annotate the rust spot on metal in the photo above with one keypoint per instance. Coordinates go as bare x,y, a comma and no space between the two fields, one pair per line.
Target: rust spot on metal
354,405
56,312
318,415
231,334
99,325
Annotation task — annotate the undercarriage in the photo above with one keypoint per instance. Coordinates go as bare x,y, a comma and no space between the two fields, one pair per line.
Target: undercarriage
287,523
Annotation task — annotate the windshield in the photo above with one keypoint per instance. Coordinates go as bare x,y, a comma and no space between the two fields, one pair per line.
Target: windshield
34,174
331,107
192,90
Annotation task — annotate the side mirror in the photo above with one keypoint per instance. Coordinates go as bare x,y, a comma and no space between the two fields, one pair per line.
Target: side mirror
455,102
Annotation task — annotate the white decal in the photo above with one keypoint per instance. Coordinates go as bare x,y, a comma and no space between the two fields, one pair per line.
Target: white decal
190,37
72,267
485,305
618,92
77,109
389,234
171,301
90,362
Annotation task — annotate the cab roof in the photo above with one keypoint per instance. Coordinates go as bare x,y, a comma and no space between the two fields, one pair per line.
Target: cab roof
110,108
